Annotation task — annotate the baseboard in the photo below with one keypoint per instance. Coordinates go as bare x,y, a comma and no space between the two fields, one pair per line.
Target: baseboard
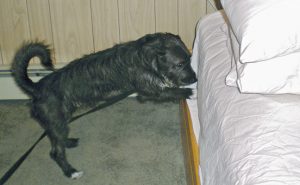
10,90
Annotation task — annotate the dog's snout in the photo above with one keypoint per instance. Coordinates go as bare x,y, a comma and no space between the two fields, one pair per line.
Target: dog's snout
189,80
193,80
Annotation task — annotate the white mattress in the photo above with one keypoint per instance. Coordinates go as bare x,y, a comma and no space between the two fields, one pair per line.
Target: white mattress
244,139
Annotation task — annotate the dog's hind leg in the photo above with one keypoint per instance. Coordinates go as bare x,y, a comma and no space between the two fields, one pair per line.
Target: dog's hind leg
58,154
54,122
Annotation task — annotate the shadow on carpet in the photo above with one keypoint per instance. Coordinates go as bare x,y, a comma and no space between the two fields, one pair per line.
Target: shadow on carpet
127,143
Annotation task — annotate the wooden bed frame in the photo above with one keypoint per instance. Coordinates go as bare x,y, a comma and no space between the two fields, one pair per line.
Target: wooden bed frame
190,146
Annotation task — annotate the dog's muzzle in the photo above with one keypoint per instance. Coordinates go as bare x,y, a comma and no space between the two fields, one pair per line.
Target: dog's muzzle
189,80
188,76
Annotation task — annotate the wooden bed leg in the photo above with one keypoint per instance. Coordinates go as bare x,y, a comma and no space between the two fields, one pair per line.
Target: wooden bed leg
190,146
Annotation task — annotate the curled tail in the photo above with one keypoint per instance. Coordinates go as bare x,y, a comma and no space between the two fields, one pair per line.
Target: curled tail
21,62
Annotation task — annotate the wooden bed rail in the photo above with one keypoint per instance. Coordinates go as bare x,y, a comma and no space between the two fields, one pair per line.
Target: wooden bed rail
190,146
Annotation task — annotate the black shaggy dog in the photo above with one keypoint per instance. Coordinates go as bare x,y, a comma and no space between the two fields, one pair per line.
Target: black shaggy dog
154,67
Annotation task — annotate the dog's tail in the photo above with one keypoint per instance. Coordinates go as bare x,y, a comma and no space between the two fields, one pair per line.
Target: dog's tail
21,62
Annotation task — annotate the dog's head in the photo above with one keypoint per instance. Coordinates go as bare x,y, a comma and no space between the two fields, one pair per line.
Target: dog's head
169,58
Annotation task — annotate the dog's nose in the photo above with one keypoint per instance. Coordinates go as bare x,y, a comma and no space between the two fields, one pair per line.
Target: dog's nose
190,80
193,80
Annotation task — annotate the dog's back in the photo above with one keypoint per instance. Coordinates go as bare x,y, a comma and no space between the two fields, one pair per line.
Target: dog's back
85,80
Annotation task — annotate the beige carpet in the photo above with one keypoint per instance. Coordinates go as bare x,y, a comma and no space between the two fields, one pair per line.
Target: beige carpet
126,144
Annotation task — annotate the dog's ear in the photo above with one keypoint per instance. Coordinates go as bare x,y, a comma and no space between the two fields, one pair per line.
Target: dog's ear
151,56
153,49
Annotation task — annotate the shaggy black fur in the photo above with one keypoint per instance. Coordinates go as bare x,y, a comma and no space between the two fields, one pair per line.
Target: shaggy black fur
154,67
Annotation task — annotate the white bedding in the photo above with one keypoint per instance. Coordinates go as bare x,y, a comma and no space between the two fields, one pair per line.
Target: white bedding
244,139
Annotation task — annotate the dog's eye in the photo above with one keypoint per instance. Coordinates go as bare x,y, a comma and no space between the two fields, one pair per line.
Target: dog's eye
179,65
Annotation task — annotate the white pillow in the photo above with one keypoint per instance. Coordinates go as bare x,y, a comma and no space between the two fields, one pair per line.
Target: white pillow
278,75
264,28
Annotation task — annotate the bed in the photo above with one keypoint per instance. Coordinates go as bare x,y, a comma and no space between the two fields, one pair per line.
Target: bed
235,135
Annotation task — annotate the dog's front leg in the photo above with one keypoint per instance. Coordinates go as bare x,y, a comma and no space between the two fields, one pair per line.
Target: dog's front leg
151,87
176,93
166,94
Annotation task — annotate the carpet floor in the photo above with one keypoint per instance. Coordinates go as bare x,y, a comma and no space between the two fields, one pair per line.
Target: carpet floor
127,143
